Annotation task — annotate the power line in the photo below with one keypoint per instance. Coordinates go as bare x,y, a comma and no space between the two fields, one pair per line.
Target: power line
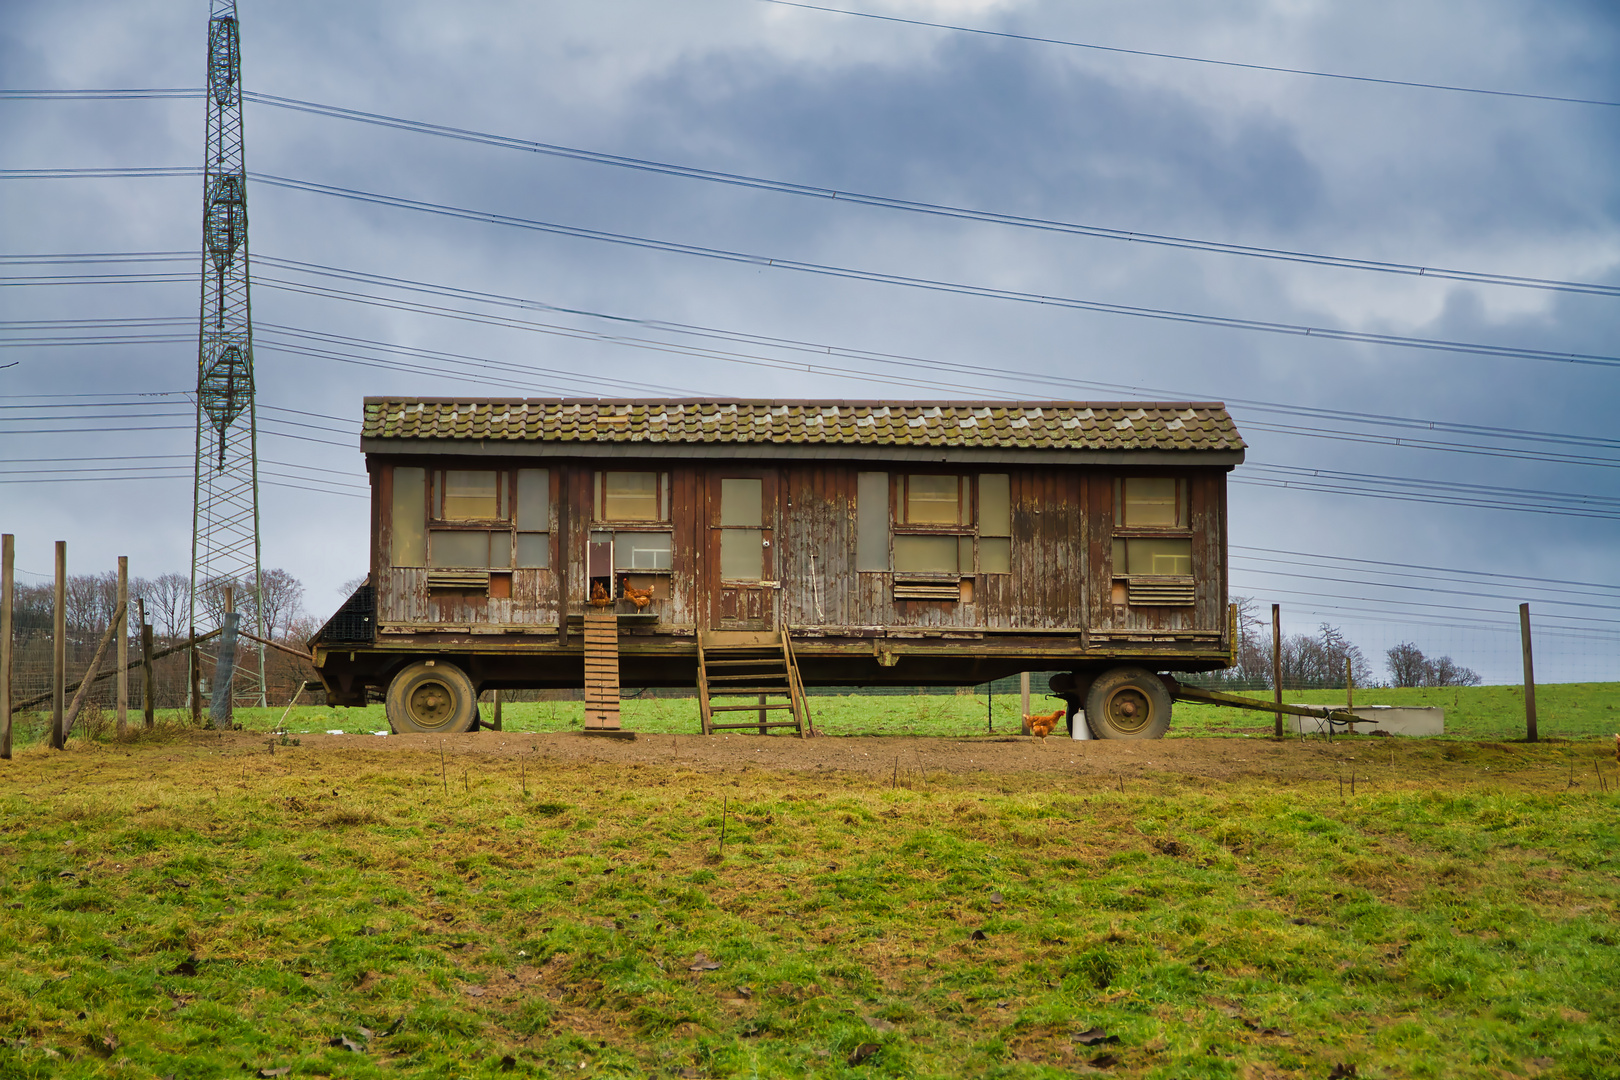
1419,566
888,202
1198,59
935,285
100,95
856,198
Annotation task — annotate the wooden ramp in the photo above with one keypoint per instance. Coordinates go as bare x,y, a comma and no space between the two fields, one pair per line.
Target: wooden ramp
601,670
755,665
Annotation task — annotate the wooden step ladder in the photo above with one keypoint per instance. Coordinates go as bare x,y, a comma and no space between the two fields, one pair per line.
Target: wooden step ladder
601,670
760,665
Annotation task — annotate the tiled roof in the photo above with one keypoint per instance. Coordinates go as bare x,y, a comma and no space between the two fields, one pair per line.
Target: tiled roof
1044,425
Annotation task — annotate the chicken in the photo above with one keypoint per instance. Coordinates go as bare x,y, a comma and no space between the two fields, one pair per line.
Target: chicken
600,597
1042,724
639,597
1616,744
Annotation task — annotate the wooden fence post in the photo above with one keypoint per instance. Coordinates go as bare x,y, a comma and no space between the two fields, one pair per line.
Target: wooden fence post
7,556
59,650
196,681
1349,686
123,645
1276,666
1023,692
90,679
148,677
1529,675
497,710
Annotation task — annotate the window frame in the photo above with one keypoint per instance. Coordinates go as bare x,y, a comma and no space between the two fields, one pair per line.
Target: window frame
967,531
506,489
1123,534
663,496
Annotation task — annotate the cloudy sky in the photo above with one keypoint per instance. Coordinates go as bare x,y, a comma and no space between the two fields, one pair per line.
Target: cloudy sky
1467,456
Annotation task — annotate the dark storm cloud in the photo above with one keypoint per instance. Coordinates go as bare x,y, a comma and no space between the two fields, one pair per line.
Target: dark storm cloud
1374,172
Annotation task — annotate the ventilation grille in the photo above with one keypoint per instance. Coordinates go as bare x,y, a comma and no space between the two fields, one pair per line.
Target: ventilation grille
1161,593
928,589
459,579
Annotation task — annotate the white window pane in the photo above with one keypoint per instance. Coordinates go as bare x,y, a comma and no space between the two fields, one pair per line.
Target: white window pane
742,502
534,499
458,549
872,522
925,555
534,549
1150,501
1168,557
995,505
995,555
470,495
933,500
742,554
410,517
641,551
630,496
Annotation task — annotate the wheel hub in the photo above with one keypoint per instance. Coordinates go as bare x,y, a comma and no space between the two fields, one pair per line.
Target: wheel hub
431,704
1129,709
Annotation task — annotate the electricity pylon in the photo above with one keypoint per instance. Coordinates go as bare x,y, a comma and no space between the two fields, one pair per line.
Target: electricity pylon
225,521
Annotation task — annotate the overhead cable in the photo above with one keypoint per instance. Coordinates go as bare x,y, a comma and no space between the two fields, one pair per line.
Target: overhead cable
936,285
1412,84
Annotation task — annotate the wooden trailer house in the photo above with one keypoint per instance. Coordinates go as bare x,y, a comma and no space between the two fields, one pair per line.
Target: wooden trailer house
751,548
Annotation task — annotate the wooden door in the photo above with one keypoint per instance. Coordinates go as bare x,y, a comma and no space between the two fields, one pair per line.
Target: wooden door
740,565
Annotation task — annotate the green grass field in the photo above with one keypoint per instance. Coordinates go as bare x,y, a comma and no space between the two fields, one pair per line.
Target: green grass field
190,906
1566,710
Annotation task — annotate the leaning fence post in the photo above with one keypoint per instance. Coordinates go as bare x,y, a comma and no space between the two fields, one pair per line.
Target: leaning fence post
1276,666
123,645
59,650
1529,675
7,555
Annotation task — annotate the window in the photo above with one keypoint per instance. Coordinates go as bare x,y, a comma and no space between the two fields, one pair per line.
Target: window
631,496
935,500
409,517
1153,502
995,524
742,535
465,549
934,532
872,522
532,546
470,495
1139,555
1153,542
641,551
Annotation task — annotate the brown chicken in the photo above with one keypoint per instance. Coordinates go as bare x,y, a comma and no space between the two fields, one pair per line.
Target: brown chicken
639,597
600,597
1042,724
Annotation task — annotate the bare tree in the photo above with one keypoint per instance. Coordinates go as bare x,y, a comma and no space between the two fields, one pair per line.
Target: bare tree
1447,672
1407,665
168,603
277,601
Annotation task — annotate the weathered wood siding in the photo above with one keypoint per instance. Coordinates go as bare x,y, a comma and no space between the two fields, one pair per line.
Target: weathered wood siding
1062,523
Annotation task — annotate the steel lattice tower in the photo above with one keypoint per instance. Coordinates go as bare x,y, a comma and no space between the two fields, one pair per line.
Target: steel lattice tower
225,523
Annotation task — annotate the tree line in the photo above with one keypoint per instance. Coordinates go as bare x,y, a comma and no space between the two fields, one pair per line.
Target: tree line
1317,661
91,599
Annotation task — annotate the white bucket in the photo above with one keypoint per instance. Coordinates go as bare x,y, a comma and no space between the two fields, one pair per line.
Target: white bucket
1077,725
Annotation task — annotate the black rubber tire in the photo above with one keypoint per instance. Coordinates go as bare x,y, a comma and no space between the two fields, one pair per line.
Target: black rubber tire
432,697
1128,703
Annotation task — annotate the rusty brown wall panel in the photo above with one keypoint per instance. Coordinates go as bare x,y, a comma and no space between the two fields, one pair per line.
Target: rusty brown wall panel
1100,553
382,519
402,595
1209,597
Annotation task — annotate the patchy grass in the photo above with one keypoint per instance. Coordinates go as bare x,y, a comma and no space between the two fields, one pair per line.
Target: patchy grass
178,906
1566,710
